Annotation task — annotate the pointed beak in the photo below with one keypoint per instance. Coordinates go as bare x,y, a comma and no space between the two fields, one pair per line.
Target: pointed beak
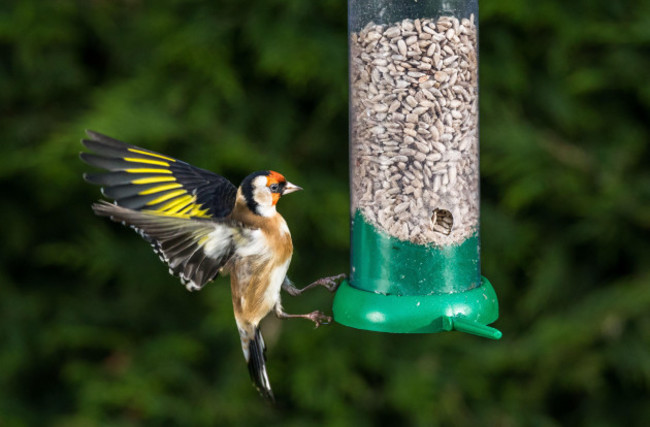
290,188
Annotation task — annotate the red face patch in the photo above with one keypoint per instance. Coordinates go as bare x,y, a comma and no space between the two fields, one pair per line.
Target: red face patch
274,178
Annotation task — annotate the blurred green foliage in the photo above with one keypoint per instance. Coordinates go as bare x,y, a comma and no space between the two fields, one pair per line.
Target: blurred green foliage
94,332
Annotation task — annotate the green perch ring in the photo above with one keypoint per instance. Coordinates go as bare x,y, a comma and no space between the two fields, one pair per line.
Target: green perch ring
468,312
402,287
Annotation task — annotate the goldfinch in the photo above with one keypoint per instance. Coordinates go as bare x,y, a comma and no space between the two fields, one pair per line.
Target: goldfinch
201,226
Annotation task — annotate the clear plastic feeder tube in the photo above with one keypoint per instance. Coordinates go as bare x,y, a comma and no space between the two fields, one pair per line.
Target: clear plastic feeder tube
414,160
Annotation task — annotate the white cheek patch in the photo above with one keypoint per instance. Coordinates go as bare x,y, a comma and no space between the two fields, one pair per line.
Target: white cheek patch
260,181
263,197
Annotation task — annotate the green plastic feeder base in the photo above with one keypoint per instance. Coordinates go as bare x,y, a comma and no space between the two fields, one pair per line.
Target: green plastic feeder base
468,311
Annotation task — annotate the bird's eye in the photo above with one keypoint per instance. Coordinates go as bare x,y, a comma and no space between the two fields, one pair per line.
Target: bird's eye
274,187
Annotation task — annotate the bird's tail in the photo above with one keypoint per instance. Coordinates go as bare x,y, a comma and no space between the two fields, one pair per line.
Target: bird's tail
254,349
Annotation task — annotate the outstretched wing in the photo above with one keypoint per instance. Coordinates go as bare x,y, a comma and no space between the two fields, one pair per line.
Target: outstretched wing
194,249
141,179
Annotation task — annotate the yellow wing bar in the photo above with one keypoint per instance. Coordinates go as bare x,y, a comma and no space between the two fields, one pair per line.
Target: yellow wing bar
140,179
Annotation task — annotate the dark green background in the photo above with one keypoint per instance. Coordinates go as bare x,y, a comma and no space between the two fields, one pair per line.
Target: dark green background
94,332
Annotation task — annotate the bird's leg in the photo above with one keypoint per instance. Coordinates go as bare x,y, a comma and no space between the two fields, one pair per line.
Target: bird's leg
331,283
317,317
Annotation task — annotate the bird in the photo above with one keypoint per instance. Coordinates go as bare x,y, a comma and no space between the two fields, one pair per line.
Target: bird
202,226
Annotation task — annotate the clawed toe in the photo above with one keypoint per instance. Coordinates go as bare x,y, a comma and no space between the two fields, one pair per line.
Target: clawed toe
333,283
319,318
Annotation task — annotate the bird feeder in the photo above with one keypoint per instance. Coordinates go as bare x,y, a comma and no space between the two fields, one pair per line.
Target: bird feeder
414,167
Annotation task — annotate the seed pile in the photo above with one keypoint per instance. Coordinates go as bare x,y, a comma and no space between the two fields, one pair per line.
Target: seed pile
414,123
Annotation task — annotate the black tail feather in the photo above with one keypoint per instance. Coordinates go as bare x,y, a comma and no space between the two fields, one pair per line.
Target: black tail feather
257,366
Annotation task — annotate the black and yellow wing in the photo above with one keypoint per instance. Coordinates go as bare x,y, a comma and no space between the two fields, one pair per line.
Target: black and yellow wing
195,249
179,209
142,179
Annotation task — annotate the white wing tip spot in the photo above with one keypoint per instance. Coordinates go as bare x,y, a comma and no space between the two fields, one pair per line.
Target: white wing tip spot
191,286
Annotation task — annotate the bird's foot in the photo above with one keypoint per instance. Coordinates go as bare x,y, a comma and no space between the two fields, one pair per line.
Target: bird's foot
332,283
319,318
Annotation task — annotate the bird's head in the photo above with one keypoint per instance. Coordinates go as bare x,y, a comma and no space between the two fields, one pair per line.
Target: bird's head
262,190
